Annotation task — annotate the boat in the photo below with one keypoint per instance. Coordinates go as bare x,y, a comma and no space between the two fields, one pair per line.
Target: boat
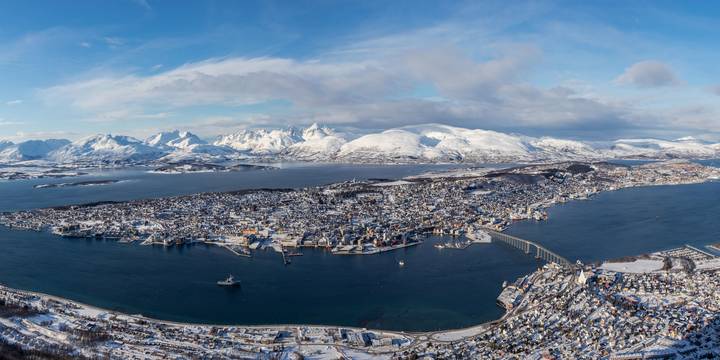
230,282
439,246
401,263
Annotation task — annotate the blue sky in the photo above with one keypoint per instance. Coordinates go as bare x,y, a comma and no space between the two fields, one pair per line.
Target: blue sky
582,70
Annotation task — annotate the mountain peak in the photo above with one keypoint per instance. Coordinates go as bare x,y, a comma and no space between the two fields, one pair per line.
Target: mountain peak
260,141
316,131
174,139
29,149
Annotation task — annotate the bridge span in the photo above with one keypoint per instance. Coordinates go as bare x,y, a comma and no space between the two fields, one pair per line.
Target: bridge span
528,246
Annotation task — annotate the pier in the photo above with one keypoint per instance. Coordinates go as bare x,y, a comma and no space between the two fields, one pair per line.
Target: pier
528,246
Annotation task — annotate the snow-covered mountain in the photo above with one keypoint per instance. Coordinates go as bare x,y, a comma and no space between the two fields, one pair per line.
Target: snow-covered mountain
687,147
552,148
29,150
105,148
387,145
260,141
4,144
436,142
183,146
173,140
317,143
417,143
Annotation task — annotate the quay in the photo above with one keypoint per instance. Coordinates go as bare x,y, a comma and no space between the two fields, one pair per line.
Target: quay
376,250
233,250
700,251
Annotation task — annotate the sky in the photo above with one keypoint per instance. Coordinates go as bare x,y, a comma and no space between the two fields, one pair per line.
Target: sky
596,70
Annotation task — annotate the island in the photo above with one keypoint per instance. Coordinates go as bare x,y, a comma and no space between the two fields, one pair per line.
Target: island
355,217
77,183
27,172
184,167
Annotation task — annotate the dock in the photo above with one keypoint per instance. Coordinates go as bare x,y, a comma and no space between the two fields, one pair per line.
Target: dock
375,250
234,251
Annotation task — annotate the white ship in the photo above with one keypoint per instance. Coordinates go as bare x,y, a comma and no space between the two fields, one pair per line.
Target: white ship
230,281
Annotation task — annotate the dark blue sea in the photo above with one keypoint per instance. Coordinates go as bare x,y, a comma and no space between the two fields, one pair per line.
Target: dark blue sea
436,289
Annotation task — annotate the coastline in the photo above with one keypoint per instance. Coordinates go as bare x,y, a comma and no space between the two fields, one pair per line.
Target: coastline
445,337
462,329
419,340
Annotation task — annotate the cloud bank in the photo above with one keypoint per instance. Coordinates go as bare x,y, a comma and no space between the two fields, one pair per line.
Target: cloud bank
372,93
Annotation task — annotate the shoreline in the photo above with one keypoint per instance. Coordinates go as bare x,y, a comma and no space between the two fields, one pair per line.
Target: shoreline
414,335
178,323
417,340
553,204
51,322
266,326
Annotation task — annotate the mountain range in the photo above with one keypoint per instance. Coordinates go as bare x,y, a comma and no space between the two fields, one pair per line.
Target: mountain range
417,143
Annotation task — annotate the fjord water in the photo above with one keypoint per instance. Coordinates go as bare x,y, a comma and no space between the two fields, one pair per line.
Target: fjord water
436,289
630,222
138,183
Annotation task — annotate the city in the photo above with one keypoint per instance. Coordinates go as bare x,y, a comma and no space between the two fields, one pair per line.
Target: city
356,217
661,304
359,180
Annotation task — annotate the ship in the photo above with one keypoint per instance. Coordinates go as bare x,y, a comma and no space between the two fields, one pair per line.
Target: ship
230,282
401,263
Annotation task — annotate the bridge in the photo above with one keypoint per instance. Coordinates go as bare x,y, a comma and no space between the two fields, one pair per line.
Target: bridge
528,246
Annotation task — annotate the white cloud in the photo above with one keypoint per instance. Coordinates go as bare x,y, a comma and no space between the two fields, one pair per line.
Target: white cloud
124,115
648,74
234,81
85,44
14,102
362,93
457,76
